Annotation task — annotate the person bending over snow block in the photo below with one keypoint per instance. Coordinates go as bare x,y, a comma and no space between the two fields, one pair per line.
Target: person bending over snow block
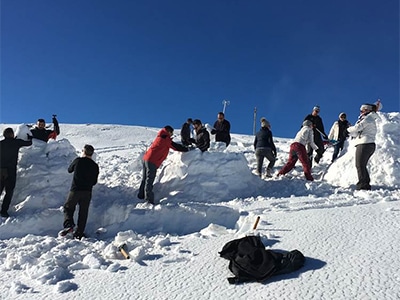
298,150
153,158
202,140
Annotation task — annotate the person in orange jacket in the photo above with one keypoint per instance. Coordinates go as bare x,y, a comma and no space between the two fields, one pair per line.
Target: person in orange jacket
153,158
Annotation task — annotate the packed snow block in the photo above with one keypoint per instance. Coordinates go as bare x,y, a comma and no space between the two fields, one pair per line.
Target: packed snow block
205,177
23,132
250,261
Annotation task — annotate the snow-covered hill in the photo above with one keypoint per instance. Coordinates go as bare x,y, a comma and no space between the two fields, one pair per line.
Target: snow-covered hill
203,200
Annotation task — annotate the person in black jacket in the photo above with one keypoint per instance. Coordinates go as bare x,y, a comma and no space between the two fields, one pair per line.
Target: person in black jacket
319,132
41,133
222,129
86,172
185,132
265,148
202,140
9,149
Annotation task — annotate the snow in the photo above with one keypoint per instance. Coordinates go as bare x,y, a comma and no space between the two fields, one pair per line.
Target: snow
203,200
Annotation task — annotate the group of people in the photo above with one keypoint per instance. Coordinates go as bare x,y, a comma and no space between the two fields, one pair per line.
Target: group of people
85,175
158,150
201,138
9,149
309,138
312,134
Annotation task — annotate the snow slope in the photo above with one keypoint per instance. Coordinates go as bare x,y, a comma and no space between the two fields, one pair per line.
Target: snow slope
203,200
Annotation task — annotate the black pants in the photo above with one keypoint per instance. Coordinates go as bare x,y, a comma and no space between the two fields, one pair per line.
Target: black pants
363,153
8,181
83,199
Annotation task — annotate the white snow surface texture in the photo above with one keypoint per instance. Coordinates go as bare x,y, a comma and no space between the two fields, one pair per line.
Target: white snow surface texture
203,200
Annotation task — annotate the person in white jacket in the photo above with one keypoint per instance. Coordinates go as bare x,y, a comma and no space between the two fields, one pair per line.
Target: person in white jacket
298,150
364,132
339,134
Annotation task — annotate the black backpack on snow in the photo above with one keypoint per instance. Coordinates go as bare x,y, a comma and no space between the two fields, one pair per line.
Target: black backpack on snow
250,261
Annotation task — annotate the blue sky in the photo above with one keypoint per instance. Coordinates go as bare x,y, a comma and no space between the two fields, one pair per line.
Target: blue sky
158,62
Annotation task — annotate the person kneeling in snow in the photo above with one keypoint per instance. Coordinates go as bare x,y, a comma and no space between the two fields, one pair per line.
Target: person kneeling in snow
153,159
86,172
298,150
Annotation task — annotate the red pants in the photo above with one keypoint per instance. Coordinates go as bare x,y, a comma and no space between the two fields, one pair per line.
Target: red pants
297,151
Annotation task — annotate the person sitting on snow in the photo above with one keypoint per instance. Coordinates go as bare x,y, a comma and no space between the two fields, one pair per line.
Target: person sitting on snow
41,133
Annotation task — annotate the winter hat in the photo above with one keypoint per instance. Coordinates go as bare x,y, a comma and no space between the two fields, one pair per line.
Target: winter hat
316,108
342,114
366,106
307,123
264,122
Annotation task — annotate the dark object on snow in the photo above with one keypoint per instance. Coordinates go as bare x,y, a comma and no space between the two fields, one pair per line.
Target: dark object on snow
250,261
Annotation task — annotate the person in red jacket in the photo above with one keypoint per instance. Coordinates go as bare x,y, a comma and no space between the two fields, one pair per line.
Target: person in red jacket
153,158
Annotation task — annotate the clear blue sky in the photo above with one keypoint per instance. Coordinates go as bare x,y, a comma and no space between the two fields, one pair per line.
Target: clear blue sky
158,62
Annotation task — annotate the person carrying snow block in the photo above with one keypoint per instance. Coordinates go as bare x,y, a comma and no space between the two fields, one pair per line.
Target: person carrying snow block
153,158
41,133
364,132
339,134
9,149
319,132
86,172
265,148
298,150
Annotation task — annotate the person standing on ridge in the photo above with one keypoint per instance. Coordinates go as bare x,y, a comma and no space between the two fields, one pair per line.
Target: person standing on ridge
265,148
153,158
364,132
9,149
41,133
339,134
222,129
319,131
298,150
86,172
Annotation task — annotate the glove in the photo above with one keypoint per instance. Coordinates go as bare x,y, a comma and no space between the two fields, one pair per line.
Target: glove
29,136
213,131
